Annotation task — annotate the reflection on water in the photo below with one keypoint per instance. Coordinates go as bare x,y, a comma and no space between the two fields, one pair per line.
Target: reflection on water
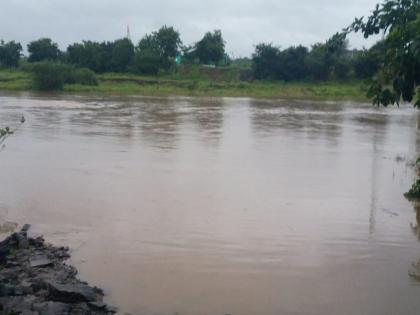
216,206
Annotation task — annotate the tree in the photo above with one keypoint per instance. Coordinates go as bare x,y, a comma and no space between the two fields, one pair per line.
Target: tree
122,54
399,22
157,51
266,62
211,48
43,49
96,56
10,53
292,63
169,42
48,76
318,62
148,58
342,68
337,56
367,62
328,60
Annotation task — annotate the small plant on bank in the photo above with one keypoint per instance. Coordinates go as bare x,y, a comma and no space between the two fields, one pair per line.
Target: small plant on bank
414,192
50,76
84,76
4,133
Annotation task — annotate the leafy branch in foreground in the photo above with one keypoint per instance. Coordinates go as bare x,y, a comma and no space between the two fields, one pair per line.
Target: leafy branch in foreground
4,133
399,78
414,192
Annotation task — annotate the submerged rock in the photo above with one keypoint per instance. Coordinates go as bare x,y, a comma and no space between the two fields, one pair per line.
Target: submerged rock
34,279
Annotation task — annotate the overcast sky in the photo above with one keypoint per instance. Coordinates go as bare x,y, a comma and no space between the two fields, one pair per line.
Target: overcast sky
244,23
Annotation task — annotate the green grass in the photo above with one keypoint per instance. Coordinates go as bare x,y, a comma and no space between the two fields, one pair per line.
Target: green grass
15,80
198,83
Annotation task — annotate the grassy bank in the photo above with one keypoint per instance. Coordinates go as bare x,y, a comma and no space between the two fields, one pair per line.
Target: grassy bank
189,85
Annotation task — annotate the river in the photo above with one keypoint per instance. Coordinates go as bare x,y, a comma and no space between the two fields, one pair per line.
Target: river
197,206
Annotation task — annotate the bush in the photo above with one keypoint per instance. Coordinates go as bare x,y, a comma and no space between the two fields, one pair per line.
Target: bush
414,192
49,76
145,63
84,76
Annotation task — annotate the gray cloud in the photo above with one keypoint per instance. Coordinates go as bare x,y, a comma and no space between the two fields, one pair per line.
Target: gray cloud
244,23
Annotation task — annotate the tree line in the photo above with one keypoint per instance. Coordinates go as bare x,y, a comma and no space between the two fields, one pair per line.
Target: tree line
331,60
393,64
161,50
155,52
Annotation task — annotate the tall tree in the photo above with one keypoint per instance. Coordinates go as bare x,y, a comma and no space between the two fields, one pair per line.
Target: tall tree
292,63
367,62
147,59
211,48
169,42
93,55
328,60
157,51
10,53
122,54
266,62
43,49
399,22
318,62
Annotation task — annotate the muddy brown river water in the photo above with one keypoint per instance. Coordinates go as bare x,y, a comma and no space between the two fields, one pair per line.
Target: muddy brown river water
221,206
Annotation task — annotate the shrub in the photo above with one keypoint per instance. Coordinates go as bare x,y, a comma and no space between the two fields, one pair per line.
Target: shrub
414,192
48,76
84,76
146,63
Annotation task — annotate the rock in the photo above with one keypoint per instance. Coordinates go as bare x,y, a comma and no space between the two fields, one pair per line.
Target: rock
25,227
6,290
97,305
51,308
111,309
23,243
16,304
40,261
34,280
72,293
37,242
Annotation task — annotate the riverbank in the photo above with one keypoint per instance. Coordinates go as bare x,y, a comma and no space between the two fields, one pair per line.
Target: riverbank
189,86
34,279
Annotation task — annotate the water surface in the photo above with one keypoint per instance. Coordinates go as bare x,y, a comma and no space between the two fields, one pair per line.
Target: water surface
221,206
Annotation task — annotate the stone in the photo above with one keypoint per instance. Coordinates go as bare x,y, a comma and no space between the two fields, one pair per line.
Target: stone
34,280
25,227
22,240
97,305
40,261
50,308
112,309
72,293
6,290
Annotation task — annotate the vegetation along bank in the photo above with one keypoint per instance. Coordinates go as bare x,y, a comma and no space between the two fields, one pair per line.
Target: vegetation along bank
161,64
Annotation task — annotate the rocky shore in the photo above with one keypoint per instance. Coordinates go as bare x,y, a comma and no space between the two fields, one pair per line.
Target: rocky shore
34,279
